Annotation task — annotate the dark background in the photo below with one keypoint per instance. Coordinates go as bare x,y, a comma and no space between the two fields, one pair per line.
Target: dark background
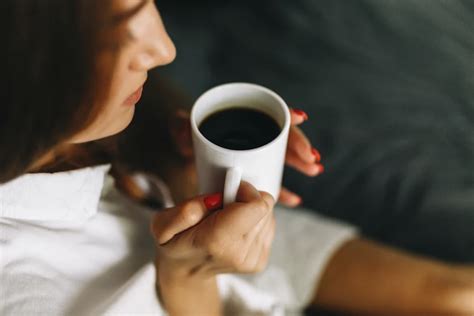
389,89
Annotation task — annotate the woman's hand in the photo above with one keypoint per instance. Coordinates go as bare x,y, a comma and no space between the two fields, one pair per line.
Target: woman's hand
300,154
195,240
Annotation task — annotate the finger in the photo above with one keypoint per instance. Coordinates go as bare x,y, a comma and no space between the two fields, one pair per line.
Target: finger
298,116
268,238
310,169
241,217
299,143
271,236
175,220
252,259
247,193
256,230
255,247
289,198
268,198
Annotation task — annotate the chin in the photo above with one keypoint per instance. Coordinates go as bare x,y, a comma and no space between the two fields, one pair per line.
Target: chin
96,133
122,125
126,122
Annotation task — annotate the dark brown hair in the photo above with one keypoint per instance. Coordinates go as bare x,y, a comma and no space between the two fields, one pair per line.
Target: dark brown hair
47,94
47,78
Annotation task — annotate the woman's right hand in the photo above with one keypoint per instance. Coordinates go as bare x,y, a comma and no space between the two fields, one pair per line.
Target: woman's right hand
197,238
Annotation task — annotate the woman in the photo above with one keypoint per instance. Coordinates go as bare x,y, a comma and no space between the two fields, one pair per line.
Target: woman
73,245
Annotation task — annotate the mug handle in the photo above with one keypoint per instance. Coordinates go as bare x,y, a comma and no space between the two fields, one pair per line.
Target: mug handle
233,177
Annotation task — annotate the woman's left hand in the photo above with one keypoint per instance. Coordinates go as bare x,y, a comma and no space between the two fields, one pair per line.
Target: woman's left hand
299,155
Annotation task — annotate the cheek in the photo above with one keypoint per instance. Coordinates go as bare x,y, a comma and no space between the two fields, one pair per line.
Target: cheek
112,72
116,115
114,83
122,81
113,116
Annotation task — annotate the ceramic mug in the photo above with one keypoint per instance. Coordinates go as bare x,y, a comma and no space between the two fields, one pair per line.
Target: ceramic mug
220,169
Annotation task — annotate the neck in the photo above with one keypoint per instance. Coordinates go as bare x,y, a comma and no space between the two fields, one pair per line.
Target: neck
70,157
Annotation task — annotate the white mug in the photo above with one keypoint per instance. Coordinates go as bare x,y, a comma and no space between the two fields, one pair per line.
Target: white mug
220,169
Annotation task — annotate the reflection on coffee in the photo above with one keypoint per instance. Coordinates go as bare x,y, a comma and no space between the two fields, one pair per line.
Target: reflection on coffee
239,128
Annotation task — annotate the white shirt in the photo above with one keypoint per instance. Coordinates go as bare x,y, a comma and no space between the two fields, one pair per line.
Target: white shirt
71,244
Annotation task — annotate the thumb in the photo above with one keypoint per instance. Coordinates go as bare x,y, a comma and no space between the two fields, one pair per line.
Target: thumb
172,221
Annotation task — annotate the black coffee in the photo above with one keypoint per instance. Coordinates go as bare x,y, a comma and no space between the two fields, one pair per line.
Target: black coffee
239,128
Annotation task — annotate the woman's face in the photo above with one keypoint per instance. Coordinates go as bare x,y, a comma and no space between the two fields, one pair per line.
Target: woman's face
137,44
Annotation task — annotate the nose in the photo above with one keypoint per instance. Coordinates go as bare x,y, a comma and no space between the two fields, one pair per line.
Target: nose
156,48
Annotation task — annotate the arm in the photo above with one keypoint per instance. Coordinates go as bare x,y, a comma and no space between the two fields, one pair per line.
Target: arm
187,295
367,277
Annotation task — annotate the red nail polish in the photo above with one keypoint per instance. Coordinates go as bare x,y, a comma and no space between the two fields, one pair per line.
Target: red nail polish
301,113
316,154
213,202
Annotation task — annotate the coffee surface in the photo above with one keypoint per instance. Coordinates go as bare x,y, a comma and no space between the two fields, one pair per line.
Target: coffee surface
239,128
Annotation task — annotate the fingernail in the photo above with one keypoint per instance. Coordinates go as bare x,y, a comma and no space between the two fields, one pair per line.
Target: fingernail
213,202
301,113
316,154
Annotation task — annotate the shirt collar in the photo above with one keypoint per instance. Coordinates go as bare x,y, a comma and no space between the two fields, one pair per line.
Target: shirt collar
62,196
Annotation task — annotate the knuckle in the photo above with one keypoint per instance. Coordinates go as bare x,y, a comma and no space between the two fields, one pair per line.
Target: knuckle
268,199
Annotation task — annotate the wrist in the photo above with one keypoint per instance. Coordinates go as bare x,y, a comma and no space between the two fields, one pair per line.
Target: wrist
453,289
176,271
175,285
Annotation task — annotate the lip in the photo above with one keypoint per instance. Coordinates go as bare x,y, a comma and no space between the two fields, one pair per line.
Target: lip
134,97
